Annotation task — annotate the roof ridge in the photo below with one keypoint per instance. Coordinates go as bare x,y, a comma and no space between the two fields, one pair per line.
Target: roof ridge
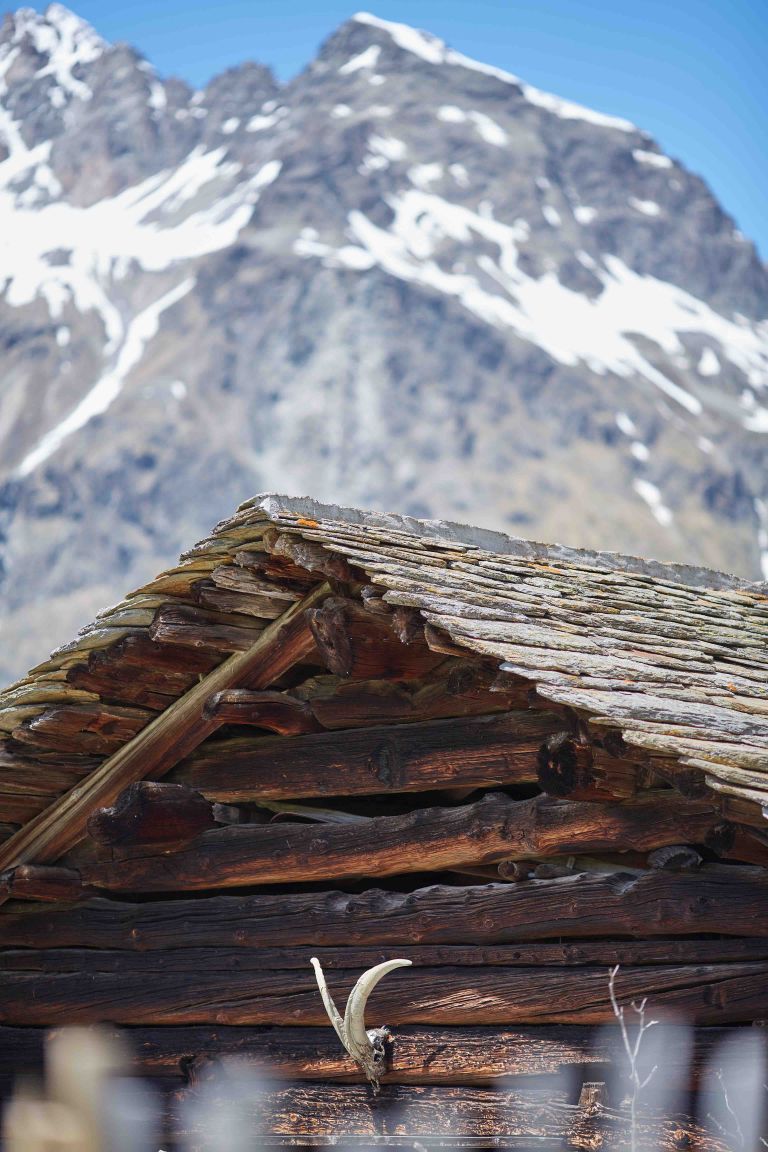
277,506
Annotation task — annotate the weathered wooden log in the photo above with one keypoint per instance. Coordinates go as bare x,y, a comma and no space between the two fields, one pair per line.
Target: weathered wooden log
356,644
91,728
457,688
416,1054
232,600
567,768
121,685
464,1117
552,954
40,882
165,741
191,627
152,812
718,898
273,711
492,829
474,752
141,651
150,990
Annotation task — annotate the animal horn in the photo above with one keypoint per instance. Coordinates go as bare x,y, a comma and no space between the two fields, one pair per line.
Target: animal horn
365,1047
333,1013
358,1042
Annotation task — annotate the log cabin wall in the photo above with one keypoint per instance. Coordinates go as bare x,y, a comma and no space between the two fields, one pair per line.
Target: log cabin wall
334,734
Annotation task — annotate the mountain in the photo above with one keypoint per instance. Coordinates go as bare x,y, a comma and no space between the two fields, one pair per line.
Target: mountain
405,279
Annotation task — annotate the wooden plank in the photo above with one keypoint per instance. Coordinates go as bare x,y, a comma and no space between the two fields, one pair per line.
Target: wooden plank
431,839
479,751
722,899
165,740
154,990
462,1117
418,1054
605,953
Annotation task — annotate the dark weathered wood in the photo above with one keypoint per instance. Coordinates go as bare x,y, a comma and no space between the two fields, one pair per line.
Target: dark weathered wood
605,953
220,632
479,751
494,828
120,684
90,728
356,644
416,1054
141,651
567,768
232,600
165,741
462,1116
158,991
36,882
720,899
152,812
457,688
273,711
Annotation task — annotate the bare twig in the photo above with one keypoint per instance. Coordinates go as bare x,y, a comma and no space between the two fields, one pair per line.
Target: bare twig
632,1049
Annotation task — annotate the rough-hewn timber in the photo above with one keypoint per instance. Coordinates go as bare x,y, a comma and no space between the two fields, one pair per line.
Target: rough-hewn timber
477,751
721,899
494,828
156,991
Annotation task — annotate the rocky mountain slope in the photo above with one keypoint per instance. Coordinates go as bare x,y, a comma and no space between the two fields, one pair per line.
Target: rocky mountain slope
403,280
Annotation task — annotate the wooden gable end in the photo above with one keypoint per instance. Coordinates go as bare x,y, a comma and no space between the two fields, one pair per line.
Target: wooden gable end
353,742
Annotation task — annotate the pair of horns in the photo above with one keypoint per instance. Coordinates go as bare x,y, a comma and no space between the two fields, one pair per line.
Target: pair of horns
365,1047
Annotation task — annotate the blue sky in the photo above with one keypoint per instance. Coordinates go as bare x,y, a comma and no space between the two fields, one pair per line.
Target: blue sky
691,72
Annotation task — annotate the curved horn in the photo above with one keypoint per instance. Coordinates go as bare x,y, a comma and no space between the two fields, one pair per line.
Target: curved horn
358,1043
333,1013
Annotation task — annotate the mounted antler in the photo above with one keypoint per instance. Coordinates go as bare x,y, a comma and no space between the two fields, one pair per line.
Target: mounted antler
365,1047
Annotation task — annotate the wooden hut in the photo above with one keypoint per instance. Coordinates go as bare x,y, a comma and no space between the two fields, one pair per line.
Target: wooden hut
356,737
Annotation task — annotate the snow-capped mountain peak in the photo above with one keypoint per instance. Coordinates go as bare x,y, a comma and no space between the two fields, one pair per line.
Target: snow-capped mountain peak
405,279
64,45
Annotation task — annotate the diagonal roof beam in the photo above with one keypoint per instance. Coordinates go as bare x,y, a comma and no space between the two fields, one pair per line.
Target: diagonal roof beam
167,739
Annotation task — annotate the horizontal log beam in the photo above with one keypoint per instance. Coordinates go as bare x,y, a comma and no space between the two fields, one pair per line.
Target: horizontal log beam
157,991
721,899
607,953
165,740
457,688
474,752
459,1116
433,839
416,1055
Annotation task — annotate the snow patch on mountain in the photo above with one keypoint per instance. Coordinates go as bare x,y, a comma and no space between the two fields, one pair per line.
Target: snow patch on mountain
68,43
142,329
654,159
653,498
147,225
426,232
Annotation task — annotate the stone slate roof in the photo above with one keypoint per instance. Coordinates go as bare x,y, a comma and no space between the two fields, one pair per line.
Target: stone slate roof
673,657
